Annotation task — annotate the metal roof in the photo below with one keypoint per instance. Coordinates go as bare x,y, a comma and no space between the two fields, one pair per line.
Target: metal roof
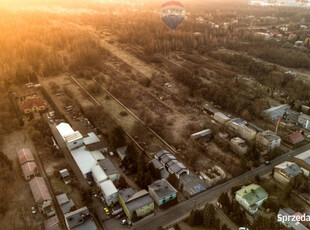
290,168
64,129
108,167
83,159
139,200
91,139
108,188
73,137
76,217
39,190
277,111
98,174
161,153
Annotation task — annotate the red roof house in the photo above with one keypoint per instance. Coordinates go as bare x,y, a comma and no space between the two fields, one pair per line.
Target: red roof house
25,155
294,138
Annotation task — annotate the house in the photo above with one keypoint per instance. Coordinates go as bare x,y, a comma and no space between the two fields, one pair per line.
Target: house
52,223
162,192
238,146
33,105
284,213
291,116
98,174
80,219
286,171
267,141
109,169
25,155
251,197
246,132
304,121
294,139
41,195
163,172
136,205
303,161
109,192
65,175
121,152
29,169
278,111
220,117
64,203
202,134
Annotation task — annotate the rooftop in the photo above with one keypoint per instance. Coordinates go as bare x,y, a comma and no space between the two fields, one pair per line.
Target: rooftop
31,102
52,223
294,138
91,139
73,137
304,155
98,174
25,155
64,173
29,167
125,194
168,157
39,190
161,153
108,188
239,142
76,217
270,136
156,164
252,193
178,168
162,189
139,200
108,167
64,129
290,168
84,159
277,111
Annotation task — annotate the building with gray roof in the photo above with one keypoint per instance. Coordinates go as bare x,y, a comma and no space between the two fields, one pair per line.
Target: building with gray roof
286,171
136,205
278,111
166,158
64,203
160,154
163,172
162,192
296,225
109,169
80,220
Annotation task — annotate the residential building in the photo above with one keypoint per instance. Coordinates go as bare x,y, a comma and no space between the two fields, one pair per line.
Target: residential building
286,171
293,225
162,192
267,141
220,117
33,105
291,116
303,161
238,146
136,205
98,174
65,175
64,203
25,155
109,192
121,152
52,223
80,219
41,195
304,121
109,169
251,197
294,139
246,132
29,169
274,113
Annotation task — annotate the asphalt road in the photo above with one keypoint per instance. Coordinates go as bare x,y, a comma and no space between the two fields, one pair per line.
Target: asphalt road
181,210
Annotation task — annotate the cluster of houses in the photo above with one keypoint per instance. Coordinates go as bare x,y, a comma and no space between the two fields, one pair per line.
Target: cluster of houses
265,140
87,153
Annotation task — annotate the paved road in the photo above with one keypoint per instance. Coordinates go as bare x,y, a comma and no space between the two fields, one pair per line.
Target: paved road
181,210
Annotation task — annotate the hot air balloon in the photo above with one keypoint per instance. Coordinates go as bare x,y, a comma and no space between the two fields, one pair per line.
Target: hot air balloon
172,13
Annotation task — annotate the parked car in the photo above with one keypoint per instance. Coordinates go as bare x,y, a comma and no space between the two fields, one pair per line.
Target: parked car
267,162
124,221
107,211
120,215
33,210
